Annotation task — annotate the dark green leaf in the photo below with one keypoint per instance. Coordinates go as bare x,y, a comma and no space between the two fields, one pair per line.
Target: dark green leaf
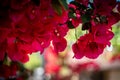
56,6
82,7
85,18
70,25
71,9
64,3
89,11
71,15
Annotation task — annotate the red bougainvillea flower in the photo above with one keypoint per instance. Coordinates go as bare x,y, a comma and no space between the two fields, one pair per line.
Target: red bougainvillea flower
102,34
29,26
113,18
74,15
59,44
106,9
17,5
92,44
14,49
58,40
4,71
3,34
60,29
23,27
59,23
86,46
2,50
7,71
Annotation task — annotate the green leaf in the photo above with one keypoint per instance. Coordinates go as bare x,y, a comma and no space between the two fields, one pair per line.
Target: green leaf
85,18
70,25
71,9
56,6
64,3
71,15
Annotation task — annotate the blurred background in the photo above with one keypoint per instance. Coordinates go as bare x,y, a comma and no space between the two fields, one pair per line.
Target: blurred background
62,66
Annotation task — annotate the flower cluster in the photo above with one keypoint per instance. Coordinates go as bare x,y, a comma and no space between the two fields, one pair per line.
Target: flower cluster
28,26
97,20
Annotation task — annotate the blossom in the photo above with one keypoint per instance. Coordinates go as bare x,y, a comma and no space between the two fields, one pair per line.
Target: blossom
29,26
102,34
92,44
24,32
2,50
74,15
7,71
86,46
106,9
77,52
59,44
113,18
17,5
3,70
59,31
3,34
13,50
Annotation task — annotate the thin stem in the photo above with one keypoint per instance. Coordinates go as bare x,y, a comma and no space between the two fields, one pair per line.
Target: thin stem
76,34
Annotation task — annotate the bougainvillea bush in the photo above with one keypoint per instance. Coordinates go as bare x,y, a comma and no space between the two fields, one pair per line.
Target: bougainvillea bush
28,26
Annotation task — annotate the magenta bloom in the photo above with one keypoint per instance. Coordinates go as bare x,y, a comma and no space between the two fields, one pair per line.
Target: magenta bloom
28,26
59,30
86,46
106,9
102,34
8,71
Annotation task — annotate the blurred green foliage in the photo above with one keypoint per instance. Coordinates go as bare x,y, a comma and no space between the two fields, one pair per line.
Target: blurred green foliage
116,39
36,60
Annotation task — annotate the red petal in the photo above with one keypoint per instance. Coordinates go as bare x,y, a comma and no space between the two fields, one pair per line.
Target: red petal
77,53
59,44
